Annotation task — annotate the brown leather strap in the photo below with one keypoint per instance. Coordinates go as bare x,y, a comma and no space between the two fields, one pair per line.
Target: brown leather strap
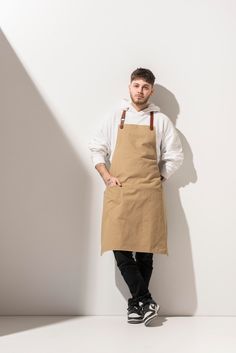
151,120
122,119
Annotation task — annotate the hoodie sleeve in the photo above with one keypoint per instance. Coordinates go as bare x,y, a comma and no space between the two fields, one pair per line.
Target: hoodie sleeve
172,155
100,144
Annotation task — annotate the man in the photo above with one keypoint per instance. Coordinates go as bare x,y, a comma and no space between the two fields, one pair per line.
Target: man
137,138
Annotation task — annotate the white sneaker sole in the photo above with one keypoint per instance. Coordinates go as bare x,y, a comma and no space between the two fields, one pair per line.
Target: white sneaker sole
132,321
150,318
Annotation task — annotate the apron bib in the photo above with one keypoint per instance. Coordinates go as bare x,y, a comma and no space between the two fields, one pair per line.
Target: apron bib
133,215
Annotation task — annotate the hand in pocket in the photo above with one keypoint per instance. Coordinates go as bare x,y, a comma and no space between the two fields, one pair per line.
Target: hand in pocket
112,181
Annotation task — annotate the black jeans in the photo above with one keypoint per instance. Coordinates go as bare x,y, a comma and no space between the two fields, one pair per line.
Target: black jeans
136,272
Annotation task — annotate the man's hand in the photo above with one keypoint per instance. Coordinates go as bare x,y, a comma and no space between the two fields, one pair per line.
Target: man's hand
112,181
108,179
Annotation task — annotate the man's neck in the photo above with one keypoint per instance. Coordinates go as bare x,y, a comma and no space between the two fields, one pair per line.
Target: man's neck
140,107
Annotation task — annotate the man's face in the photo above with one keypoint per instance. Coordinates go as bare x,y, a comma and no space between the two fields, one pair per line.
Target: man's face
140,91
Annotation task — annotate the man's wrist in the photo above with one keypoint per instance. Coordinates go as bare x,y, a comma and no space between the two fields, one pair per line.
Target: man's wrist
101,168
106,178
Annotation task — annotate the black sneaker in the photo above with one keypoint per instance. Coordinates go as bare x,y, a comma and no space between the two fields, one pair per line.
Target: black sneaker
135,313
150,312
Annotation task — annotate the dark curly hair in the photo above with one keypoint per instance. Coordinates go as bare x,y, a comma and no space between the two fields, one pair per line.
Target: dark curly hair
145,74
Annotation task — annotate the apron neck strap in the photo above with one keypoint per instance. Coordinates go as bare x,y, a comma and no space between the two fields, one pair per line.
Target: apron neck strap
151,120
122,120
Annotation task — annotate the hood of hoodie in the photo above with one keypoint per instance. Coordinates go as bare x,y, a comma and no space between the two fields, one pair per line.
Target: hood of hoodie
126,103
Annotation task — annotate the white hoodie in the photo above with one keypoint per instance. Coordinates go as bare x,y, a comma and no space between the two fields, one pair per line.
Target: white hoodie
169,148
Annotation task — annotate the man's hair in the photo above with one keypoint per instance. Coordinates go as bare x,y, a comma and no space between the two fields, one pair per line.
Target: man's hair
145,74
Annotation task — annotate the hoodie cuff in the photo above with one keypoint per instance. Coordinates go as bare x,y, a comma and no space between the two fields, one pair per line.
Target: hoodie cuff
164,173
98,159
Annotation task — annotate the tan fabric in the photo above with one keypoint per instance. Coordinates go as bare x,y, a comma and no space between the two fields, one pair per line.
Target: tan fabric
133,216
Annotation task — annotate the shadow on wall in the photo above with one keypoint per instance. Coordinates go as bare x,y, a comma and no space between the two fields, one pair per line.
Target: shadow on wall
43,221
173,282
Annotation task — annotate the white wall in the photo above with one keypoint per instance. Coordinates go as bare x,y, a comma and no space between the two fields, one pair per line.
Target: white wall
64,64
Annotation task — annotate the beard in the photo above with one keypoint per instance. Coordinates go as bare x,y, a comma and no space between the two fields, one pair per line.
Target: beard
139,101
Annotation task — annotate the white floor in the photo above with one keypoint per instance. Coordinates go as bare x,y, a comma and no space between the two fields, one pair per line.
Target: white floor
111,334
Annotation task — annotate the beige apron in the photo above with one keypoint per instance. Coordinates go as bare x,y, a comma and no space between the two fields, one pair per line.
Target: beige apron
134,216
